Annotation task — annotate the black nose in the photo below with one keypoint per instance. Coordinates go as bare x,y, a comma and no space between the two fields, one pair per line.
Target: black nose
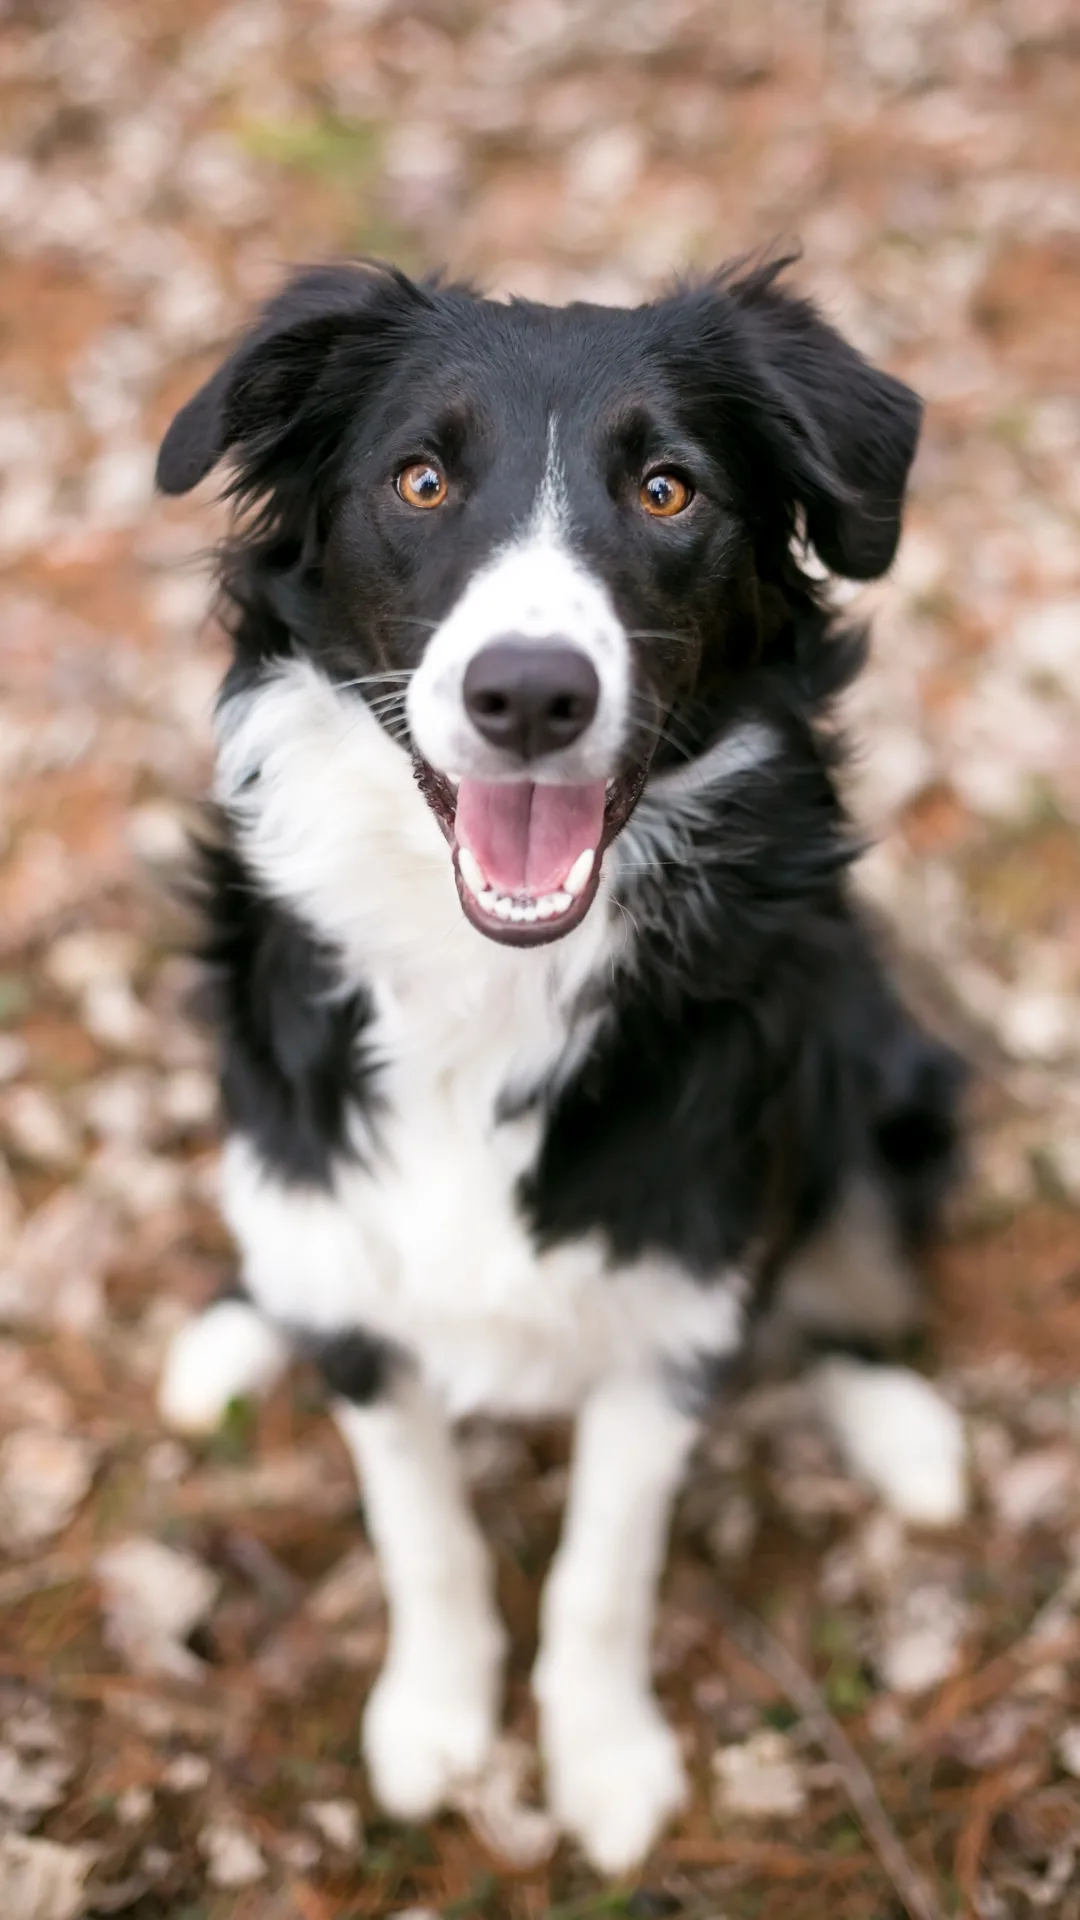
530,696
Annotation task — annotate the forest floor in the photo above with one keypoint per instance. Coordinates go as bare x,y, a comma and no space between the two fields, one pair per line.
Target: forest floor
187,1635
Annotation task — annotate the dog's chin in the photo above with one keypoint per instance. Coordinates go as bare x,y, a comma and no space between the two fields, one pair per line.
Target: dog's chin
522,916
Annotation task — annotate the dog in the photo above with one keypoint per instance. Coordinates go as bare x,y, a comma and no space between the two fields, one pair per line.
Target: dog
562,1074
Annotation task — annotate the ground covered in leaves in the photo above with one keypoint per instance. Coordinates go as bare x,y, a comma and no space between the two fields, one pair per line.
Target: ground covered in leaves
876,1723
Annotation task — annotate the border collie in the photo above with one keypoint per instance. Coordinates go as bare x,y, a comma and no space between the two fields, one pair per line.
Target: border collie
561,1073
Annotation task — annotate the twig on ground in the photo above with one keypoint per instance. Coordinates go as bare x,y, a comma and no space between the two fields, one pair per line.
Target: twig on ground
780,1863
997,1790
774,1659
984,1684
276,1586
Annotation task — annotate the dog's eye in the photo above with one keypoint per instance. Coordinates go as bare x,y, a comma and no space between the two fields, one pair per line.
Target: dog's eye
664,494
421,484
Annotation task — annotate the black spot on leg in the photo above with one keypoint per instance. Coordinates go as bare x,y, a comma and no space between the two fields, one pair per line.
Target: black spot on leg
355,1366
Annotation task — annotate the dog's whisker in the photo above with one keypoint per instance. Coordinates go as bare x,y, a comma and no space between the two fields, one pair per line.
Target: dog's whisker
375,679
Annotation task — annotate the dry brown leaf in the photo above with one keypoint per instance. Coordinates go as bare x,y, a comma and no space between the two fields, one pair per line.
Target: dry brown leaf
40,1880
44,1477
152,1598
232,1858
59,1260
496,1810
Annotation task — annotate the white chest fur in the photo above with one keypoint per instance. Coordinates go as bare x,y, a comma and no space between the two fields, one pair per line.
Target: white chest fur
421,1239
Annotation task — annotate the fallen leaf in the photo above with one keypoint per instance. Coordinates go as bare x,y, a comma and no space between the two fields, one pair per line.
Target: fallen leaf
338,1821
232,1858
761,1777
27,1398
152,1598
134,1806
40,1880
36,1764
186,1773
1036,1487
494,1806
39,1128
921,1637
43,1478
57,1265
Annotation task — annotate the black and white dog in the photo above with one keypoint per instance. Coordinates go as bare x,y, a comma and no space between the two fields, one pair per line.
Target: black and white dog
561,1074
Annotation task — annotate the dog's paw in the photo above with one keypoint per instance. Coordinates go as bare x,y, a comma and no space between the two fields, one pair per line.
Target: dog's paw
902,1436
615,1776
228,1351
424,1733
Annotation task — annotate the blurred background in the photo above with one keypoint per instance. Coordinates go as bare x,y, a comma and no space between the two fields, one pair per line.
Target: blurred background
185,1638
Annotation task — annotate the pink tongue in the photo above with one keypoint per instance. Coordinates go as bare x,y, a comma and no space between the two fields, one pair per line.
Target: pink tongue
526,837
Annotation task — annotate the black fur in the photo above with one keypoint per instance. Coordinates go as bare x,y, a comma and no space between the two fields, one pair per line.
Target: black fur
290,1040
740,1116
353,1365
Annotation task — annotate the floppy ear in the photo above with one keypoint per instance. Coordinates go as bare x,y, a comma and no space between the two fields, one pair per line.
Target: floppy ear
851,430
279,371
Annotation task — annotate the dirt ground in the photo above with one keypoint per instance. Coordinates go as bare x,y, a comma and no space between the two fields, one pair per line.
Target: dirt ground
186,1636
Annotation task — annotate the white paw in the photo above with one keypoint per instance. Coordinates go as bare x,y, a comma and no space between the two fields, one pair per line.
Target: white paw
424,1732
614,1773
227,1351
902,1436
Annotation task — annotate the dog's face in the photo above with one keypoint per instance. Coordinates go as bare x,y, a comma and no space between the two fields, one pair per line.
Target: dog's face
541,541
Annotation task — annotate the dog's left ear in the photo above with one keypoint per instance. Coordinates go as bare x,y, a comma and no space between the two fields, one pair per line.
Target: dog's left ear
274,405
850,430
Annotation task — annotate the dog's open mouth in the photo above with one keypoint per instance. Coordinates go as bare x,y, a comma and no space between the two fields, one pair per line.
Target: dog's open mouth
527,857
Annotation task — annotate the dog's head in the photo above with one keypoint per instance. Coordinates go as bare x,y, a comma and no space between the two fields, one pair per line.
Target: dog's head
540,541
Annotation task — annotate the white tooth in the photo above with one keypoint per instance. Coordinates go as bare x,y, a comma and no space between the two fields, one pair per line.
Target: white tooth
503,907
578,877
529,913
487,899
545,906
561,901
471,871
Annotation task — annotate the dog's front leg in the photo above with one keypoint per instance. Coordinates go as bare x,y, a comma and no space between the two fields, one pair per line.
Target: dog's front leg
613,1767
431,1716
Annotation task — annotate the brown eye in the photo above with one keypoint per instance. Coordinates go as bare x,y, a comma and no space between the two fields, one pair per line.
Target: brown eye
421,485
664,494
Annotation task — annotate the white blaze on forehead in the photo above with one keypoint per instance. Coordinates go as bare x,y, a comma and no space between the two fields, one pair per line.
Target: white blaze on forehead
550,515
533,587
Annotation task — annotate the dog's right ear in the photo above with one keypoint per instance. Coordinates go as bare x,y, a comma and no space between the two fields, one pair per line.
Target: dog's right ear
278,375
